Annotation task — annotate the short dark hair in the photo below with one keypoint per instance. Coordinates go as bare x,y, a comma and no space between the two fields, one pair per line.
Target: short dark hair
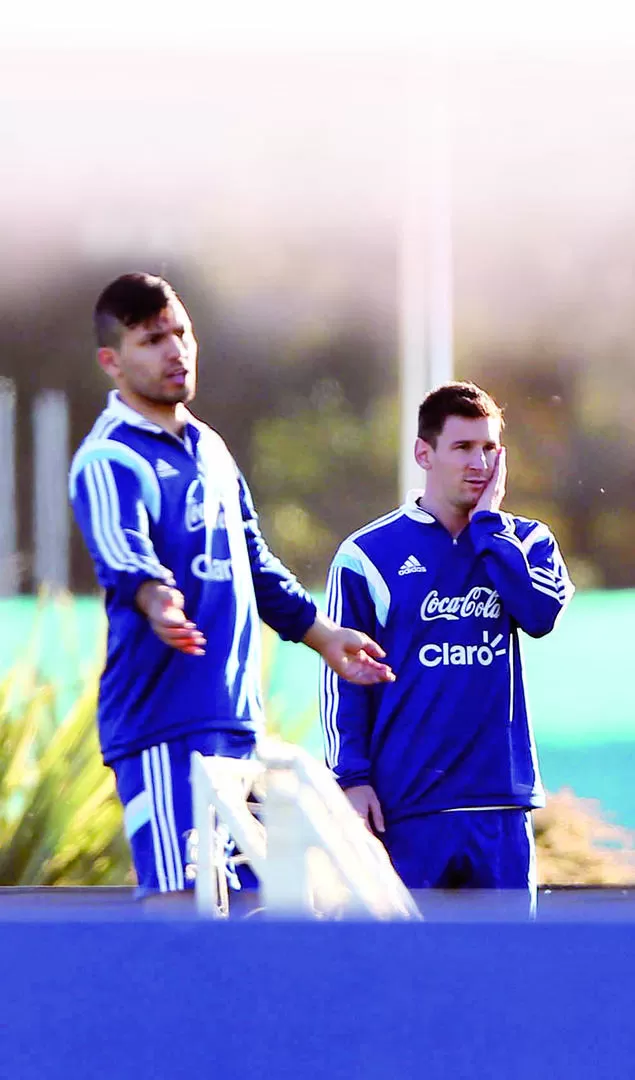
454,399
129,300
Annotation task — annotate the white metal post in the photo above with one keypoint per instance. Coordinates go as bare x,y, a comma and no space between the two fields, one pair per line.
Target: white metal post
286,888
203,816
425,249
9,574
50,497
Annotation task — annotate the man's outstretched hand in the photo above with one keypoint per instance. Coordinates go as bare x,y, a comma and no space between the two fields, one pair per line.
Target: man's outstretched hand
350,653
163,607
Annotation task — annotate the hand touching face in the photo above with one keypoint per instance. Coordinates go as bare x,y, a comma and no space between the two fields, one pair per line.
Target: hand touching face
494,491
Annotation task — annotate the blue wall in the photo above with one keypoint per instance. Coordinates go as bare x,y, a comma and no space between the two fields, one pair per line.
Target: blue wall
112,998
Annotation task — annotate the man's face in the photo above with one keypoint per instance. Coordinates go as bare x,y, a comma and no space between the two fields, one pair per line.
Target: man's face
155,361
462,463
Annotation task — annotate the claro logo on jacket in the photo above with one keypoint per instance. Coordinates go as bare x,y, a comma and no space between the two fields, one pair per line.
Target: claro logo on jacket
208,569
446,655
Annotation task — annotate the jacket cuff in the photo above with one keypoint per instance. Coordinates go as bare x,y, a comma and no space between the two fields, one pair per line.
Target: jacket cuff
304,622
127,585
486,523
353,780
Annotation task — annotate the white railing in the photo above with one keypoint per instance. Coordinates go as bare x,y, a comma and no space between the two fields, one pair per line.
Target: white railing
311,851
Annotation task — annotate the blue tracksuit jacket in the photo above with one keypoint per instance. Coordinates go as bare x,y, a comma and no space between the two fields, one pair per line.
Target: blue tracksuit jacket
454,730
152,505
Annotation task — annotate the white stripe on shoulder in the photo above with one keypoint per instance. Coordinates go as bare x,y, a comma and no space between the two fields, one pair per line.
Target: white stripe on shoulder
135,560
534,536
100,449
350,556
109,536
100,518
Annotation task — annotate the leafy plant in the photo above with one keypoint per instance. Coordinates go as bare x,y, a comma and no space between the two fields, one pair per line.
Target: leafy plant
60,820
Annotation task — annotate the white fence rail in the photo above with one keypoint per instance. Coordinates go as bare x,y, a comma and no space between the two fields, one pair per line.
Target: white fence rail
311,851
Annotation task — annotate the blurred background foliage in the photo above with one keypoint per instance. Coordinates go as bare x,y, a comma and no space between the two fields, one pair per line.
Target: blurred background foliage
311,414
576,845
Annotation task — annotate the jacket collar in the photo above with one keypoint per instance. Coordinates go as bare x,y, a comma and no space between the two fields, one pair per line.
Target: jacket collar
118,409
414,511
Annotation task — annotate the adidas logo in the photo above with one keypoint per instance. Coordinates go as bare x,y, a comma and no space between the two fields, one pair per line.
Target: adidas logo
412,566
165,469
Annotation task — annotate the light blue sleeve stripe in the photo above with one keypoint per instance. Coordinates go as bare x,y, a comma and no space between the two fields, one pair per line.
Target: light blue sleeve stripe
351,557
350,562
109,450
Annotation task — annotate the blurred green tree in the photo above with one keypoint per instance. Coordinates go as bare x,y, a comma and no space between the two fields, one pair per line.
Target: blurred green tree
323,471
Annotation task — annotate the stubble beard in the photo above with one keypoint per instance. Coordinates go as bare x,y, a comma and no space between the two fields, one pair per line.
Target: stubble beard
180,395
466,503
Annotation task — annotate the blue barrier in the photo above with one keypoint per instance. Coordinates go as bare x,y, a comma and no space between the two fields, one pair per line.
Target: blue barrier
116,996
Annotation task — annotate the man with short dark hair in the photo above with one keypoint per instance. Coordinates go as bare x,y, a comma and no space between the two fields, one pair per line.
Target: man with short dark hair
174,537
442,762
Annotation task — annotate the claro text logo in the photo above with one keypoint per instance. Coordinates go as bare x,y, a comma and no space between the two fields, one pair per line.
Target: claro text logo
447,655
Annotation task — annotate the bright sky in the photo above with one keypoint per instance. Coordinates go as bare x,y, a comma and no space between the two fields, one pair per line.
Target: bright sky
106,130
324,24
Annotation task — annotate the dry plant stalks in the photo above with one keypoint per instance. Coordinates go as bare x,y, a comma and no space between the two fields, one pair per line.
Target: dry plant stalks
576,845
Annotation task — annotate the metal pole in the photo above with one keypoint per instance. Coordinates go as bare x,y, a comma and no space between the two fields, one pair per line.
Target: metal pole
50,510
9,570
425,271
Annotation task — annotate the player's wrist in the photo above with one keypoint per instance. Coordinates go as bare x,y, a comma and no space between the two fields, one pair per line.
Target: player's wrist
321,633
150,593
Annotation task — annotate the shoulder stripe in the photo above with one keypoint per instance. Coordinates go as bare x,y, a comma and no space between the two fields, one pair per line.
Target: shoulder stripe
136,560
109,537
100,519
534,536
351,557
99,449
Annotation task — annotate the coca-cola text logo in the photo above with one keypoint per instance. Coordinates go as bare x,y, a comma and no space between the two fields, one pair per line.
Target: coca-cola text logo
479,603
